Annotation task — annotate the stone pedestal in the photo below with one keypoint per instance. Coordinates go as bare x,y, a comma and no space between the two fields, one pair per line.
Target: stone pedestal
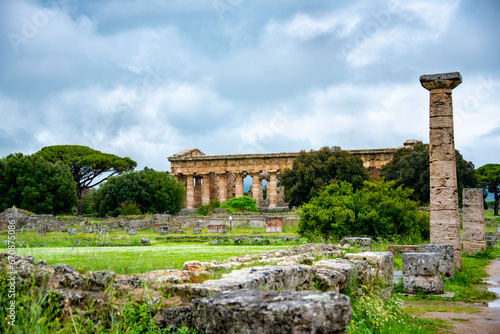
445,222
473,220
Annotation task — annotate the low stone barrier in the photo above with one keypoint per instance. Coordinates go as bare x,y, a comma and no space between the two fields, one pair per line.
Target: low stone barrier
263,312
421,272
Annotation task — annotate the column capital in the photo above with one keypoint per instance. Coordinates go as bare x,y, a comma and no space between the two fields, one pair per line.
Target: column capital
441,80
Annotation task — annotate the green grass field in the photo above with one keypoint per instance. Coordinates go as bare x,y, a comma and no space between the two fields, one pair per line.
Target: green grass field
140,259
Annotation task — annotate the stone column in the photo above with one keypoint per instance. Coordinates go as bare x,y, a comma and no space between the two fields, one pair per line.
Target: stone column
197,191
272,189
190,192
257,187
205,197
238,186
473,220
445,222
222,188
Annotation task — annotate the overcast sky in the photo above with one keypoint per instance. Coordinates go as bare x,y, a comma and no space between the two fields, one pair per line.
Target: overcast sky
147,79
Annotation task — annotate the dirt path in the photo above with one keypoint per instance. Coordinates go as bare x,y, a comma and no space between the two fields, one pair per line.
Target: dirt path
468,318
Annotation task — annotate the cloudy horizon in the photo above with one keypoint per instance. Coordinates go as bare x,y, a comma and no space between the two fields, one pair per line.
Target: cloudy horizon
148,79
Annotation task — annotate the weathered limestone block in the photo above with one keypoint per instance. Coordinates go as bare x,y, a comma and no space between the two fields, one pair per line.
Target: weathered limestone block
215,228
197,231
446,257
473,220
194,266
256,224
381,262
262,312
491,239
274,224
132,232
145,242
445,223
361,243
421,272
395,249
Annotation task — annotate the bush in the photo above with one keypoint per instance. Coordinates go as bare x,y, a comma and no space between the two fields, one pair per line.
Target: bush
240,204
377,210
205,209
151,191
129,209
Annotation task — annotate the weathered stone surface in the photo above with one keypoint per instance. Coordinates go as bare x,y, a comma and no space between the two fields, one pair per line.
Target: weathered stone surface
395,249
215,228
421,272
262,312
256,224
71,231
101,279
145,242
197,231
441,80
491,239
474,237
274,224
194,266
446,257
382,262
132,231
362,243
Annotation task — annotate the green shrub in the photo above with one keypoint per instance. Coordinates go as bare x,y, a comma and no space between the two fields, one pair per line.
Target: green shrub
129,209
377,210
205,209
240,204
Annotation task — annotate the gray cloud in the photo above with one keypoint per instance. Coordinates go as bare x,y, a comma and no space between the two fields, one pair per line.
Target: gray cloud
147,79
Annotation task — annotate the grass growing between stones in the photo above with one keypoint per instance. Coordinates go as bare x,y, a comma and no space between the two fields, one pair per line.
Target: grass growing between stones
140,259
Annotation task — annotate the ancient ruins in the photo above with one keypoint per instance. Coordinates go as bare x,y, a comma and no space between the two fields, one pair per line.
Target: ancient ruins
473,220
445,221
221,176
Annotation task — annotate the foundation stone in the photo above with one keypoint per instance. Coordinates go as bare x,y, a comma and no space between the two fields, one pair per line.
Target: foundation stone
274,224
446,257
421,272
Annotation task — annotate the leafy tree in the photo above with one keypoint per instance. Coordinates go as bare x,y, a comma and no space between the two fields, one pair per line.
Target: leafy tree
151,191
313,171
410,168
489,178
34,184
88,166
376,210
240,204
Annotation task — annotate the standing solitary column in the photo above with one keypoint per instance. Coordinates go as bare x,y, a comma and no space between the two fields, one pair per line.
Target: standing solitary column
257,187
473,220
190,192
272,189
238,185
205,189
222,188
445,221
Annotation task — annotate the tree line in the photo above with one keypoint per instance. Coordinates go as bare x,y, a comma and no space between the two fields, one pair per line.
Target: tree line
59,179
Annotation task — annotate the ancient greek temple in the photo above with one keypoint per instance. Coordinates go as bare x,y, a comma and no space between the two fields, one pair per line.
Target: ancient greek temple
221,177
